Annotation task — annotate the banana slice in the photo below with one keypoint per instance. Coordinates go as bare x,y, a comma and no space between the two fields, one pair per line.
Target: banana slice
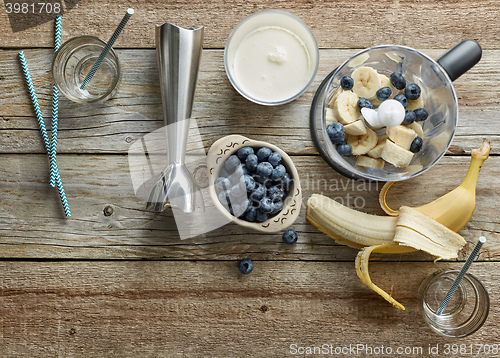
362,144
368,162
330,116
335,96
417,128
356,128
346,107
394,57
376,152
401,135
397,156
366,82
358,60
414,104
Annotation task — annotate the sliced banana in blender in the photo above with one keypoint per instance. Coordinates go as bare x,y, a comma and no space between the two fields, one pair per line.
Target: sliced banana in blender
401,135
366,82
358,60
417,128
368,162
397,156
414,104
356,128
330,116
346,107
362,144
376,152
337,93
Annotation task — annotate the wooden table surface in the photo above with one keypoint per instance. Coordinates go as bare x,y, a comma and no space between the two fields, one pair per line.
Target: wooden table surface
115,280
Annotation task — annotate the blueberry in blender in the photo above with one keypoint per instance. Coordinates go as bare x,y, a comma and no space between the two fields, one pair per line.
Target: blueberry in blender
335,132
421,114
346,83
412,91
401,98
398,81
384,93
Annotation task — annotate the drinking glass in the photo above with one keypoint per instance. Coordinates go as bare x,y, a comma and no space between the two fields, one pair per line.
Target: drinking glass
72,63
465,313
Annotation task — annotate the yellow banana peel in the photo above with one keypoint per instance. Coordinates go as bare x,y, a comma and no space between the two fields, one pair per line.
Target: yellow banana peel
455,208
431,228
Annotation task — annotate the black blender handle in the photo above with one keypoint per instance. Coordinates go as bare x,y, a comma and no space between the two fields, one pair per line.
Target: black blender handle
460,58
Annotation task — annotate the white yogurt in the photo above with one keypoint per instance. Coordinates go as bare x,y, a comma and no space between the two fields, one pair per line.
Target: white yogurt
272,64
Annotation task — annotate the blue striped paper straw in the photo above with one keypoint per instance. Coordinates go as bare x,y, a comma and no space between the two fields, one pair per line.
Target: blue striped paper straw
43,130
106,49
461,275
55,111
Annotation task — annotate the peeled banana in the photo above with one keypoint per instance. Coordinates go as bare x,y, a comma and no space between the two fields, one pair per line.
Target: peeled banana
410,231
431,228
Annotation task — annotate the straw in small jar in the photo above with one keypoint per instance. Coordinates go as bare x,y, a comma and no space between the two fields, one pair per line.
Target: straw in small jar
106,49
461,275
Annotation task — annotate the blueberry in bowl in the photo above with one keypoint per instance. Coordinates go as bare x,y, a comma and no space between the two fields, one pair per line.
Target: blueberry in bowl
254,184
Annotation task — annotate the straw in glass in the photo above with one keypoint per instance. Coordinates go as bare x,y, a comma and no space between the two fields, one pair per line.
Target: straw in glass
41,123
461,275
106,49
55,111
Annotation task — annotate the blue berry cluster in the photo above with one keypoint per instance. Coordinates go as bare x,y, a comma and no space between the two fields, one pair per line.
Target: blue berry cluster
253,183
336,133
412,92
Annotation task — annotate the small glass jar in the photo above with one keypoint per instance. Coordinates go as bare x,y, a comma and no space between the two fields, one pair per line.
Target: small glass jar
464,314
72,63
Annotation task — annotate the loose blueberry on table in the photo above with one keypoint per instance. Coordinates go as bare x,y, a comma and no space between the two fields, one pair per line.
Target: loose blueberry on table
254,191
245,266
290,237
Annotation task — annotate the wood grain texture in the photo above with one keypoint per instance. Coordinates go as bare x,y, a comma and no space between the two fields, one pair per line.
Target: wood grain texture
77,287
219,109
196,309
336,24
32,224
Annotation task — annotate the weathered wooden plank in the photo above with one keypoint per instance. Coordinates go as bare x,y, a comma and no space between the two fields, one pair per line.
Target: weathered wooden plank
336,24
32,224
136,109
195,309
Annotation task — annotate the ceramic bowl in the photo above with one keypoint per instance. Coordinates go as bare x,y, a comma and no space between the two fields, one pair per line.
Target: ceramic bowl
226,146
